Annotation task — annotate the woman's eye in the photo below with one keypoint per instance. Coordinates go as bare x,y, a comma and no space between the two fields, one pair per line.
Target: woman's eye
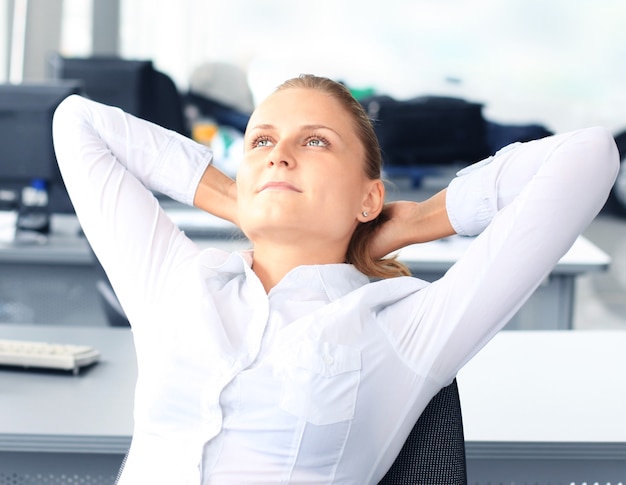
261,141
317,141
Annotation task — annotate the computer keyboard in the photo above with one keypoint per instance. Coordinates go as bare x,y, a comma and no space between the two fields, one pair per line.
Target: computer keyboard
45,355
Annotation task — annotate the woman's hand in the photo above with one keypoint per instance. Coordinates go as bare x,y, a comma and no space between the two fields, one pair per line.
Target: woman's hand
394,233
217,195
410,223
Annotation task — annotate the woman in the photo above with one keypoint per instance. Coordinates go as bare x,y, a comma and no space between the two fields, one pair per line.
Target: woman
284,364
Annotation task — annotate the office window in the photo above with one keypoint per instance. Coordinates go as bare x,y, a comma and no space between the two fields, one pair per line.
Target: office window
176,36
76,28
559,62
4,40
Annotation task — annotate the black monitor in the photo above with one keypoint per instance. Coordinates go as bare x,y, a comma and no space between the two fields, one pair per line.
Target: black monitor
110,80
132,85
27,154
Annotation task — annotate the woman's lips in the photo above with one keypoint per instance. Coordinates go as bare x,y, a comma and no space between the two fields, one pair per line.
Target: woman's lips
278,185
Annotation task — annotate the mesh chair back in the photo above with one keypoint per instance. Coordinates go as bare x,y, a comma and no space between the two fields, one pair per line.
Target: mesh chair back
434,452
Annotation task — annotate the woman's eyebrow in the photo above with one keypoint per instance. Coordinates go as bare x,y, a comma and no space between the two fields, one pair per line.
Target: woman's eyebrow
309,127
263,126
320,127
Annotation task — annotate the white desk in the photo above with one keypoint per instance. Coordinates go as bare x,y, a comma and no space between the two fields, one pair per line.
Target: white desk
546,407
538,407
54,424
54,283
550,307
435,258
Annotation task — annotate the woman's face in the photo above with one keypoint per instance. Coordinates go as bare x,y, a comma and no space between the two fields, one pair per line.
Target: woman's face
302,177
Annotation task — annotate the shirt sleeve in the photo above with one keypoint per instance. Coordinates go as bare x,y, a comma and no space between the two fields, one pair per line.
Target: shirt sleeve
527,204
111,162
469,208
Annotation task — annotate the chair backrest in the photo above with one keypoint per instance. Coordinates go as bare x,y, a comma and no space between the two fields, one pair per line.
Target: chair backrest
434,452
113,311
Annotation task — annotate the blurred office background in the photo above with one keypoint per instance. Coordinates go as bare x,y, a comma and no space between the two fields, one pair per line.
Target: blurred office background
556,62
559,61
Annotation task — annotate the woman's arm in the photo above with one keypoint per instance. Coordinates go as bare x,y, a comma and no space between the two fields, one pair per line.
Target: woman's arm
526,205
217,194
111,162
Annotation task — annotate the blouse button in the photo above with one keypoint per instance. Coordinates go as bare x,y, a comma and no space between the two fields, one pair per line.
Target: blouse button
328,359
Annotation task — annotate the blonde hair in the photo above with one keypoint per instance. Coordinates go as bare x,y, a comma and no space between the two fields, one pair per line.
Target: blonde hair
358,249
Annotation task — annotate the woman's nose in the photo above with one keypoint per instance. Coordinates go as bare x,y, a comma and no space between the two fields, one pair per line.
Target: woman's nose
278,161
281,156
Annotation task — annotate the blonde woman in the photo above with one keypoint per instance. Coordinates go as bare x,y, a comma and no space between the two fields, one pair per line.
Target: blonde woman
308,358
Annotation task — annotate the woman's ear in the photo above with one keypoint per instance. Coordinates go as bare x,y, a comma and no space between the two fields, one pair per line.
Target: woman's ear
373,200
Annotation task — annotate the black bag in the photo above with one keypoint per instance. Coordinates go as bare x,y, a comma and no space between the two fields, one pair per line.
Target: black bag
428,130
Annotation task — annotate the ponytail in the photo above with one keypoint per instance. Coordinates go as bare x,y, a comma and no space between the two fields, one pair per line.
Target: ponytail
358,252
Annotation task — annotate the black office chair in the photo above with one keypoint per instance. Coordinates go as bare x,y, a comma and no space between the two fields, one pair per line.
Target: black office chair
434,452
113,311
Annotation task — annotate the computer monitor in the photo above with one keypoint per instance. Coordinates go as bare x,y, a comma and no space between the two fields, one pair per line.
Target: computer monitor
132,85
27,153
111,80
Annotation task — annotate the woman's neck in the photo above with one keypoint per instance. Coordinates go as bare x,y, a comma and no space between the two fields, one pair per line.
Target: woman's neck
273,261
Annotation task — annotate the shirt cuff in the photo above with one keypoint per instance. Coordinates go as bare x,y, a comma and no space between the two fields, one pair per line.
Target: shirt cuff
469,207
181,167
472,197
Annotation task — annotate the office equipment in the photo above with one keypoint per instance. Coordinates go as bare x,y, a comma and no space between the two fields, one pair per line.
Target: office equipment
132,85
27,353
27,160
434,451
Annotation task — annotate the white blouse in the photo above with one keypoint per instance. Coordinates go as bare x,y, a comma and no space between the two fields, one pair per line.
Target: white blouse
321,380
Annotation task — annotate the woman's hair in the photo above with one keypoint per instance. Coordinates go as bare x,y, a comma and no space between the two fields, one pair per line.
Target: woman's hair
358,248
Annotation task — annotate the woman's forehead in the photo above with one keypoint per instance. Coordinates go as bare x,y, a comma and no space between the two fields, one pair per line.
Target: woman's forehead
300,106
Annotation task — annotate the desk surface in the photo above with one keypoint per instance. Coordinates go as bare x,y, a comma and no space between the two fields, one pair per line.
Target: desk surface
60,412
564,390
63,246
582,257
539,394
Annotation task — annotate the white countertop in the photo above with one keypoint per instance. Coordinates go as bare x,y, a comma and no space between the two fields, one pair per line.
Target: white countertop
559,388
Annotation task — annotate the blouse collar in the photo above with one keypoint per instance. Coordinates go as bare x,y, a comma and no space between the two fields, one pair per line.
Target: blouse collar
331,281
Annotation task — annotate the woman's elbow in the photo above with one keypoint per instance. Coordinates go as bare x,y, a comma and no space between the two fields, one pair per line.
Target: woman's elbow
67,113
605,155
69,116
